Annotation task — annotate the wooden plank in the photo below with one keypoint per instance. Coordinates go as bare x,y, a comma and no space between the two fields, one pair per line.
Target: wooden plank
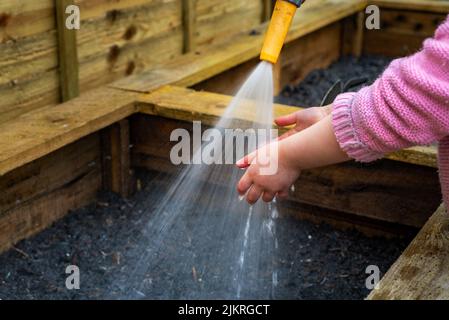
267,7
229,81
353,33
50,172
314,51
189,105
68,53
403,22
402,32
117,174
95,9
344,221
39,193
135,35
422,271
441,6
139,35
359,34
31,218
19,58
189,23
204,64
218,21
29,94
421,155
389,192
29,77
42,131
19,19
388,44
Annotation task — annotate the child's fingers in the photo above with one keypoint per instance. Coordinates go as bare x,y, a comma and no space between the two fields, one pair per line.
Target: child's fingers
282,195
253,194
286,120
244,184
268,196
246,161
242,163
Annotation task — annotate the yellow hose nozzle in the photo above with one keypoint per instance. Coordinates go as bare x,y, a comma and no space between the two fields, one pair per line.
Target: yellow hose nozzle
283,14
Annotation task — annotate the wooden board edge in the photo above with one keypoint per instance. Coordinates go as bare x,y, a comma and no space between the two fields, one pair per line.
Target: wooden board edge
67,53
57,141
435,6
421,272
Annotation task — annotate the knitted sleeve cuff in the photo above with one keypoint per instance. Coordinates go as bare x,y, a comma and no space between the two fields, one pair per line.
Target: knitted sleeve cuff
345,131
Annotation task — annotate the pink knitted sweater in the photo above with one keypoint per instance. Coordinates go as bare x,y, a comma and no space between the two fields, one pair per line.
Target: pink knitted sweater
407,106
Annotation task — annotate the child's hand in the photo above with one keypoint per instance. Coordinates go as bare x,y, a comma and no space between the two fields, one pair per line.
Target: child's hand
302,119
313,147
254,185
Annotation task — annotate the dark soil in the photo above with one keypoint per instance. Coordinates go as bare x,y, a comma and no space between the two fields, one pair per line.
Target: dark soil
313,261
108,241
312,89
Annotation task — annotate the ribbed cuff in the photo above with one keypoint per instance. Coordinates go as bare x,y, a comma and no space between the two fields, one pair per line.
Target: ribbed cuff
345,132
443,165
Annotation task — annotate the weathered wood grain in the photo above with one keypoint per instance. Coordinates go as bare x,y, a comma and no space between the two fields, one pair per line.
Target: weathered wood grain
117,36
204,64
422,271
353,30
39,193
218,20
402,32
49,173
441,6
267,9
229,81
68,53
189,25
42,131
28,57
315,50
312,51
127,38
117,172
20,19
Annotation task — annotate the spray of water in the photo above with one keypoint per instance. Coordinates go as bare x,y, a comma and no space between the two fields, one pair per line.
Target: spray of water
201,241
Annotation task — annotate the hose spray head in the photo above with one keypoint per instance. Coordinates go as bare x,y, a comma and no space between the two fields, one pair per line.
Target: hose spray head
283,14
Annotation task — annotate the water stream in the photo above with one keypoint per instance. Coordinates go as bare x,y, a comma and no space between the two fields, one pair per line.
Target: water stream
201,241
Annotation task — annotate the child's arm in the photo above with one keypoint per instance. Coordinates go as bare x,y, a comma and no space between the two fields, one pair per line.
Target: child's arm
408,105
314,147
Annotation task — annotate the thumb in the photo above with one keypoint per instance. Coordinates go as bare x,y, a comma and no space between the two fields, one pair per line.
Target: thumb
246,161
286,120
